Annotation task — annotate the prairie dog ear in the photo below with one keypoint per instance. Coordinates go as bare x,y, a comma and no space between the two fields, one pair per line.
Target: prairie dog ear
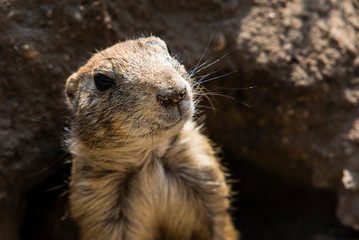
72,84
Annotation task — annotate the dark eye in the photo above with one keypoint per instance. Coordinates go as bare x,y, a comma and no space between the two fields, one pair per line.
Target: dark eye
103,82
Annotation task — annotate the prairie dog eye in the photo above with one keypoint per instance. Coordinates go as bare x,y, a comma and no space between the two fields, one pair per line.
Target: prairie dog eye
103,82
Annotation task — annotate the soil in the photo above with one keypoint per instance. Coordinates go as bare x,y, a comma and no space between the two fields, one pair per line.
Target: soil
284,91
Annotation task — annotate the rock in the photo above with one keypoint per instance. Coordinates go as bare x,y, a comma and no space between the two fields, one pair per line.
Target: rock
29,52
287,104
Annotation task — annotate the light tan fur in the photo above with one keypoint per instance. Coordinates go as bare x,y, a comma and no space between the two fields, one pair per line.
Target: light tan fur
141,169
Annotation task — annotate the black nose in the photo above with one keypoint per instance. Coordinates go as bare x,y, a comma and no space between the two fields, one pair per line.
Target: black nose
171,97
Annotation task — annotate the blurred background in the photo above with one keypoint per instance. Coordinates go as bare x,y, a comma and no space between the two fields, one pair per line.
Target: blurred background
285,96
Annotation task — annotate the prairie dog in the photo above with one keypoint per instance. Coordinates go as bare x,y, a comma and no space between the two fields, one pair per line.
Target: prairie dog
141,168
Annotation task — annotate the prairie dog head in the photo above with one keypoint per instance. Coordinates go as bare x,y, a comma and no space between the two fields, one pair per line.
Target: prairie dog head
132,90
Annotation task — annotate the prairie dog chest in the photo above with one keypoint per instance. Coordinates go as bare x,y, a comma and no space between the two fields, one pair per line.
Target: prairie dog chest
164,201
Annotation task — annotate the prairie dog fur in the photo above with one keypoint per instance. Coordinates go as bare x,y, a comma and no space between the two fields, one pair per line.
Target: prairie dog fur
141,168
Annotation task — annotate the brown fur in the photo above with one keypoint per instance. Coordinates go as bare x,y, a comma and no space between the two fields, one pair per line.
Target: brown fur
142,169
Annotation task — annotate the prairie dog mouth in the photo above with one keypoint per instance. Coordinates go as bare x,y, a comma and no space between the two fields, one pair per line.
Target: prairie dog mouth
177,113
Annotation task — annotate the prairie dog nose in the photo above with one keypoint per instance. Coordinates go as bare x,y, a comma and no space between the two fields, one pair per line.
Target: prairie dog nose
171,97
